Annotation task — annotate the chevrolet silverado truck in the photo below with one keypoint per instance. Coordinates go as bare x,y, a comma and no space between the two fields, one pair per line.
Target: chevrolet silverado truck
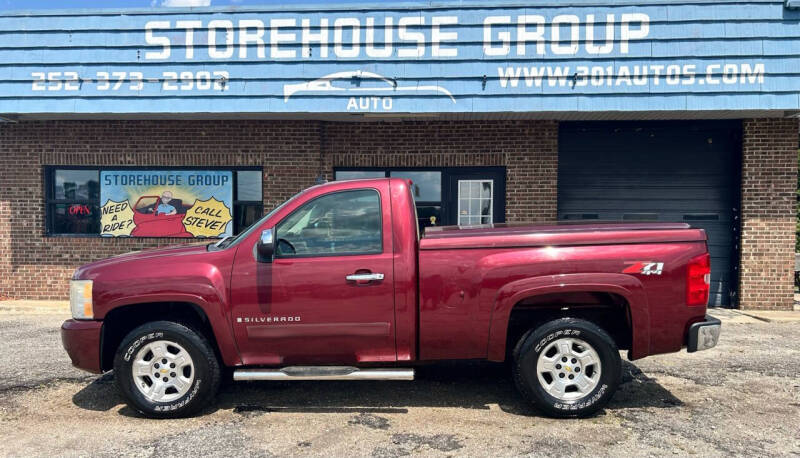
337,284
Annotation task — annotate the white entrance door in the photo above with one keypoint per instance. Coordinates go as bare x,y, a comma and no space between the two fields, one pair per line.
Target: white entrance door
475,200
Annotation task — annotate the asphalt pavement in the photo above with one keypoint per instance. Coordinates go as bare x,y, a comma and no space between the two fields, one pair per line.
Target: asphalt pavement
741,398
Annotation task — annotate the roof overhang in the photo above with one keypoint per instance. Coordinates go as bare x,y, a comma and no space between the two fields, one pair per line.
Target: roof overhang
400,117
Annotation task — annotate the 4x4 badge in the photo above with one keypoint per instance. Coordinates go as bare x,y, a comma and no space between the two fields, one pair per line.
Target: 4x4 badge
644,268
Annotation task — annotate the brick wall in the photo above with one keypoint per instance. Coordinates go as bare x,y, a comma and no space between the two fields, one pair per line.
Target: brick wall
529,150
769,180
293,154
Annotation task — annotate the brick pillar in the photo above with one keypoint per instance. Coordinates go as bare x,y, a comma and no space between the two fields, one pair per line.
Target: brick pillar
769,180
532,181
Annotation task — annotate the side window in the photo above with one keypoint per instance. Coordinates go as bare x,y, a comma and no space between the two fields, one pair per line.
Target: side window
72,201
341,223
247,201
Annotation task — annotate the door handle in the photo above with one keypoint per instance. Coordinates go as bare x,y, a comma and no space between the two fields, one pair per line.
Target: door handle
364,277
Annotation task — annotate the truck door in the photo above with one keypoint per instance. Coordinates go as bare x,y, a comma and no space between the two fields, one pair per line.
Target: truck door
328,295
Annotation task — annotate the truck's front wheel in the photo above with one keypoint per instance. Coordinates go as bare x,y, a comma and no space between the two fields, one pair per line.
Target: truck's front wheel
166,370
567,367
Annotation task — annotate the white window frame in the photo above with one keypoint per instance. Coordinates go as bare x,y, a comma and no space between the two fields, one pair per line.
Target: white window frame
479,198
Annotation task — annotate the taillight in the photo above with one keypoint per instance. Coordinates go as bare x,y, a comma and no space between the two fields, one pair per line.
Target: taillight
698,280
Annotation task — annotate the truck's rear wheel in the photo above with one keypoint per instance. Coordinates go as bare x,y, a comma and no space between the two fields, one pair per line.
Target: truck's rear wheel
166,370
567,367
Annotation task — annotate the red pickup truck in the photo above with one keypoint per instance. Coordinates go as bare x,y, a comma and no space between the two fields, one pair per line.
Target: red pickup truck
337,284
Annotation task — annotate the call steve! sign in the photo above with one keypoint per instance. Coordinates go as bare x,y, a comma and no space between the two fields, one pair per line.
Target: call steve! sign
448,57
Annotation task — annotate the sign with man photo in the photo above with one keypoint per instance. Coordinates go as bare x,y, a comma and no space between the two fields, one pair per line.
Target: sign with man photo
166,203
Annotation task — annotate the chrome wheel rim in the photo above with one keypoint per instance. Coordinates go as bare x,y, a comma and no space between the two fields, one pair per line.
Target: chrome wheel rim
568,369
163,371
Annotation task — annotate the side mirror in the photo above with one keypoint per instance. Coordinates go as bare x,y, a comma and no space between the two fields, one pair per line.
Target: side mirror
265,248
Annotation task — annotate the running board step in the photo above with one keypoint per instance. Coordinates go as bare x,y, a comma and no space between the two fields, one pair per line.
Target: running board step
323,373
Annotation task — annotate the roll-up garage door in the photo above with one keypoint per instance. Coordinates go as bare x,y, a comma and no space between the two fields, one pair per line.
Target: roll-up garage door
658,171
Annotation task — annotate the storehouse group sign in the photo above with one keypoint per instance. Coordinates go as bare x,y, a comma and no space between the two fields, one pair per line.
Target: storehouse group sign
488,58
166,203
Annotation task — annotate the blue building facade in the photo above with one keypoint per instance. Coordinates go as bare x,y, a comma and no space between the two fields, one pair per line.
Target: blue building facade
499,111
432,57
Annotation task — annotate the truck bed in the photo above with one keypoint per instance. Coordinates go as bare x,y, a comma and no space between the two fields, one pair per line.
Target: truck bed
468,277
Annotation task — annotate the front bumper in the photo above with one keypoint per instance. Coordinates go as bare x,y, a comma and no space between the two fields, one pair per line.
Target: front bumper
81,340
704,335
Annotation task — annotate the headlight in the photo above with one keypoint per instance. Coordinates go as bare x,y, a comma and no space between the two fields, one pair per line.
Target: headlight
80,299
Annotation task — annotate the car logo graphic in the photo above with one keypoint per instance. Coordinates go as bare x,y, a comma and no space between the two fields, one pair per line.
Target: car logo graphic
355,78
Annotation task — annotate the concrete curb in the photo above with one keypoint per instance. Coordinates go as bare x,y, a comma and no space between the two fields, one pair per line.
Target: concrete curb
754,316
732,316
27,306
772,316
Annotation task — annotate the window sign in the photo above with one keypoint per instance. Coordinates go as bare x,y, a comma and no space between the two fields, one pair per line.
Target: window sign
164,203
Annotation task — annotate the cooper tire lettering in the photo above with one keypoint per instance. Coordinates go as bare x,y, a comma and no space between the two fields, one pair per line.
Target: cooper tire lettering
138,343
549,338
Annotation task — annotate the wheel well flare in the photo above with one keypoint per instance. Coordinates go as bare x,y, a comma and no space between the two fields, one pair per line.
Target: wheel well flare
122,320
609,311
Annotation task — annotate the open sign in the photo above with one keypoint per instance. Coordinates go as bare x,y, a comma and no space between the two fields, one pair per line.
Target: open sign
79,209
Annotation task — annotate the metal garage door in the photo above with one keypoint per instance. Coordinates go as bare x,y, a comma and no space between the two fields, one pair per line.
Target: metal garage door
658,171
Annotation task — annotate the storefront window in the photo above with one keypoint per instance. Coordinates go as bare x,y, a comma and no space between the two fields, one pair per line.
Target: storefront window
358,174
77,218
73,201
76,184
249,203
464,196
429,215
73,206
248,185
427,185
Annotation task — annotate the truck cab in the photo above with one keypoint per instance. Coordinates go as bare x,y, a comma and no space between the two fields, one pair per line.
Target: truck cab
325,291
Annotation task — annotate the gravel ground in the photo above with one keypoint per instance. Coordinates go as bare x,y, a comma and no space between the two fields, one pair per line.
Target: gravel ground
742,398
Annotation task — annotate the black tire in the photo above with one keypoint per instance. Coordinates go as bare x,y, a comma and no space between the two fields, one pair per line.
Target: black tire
536,341
206,369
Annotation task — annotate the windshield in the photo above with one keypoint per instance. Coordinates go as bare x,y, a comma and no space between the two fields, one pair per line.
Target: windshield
225,243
